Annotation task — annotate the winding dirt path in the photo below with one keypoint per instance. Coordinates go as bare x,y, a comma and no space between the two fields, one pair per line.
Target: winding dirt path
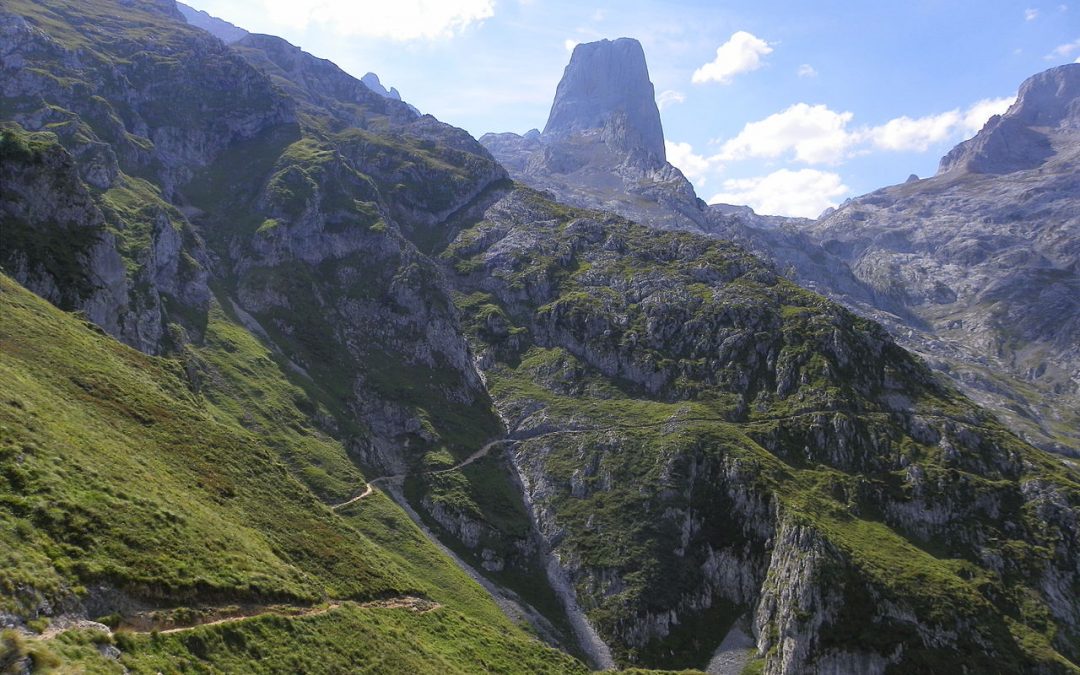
145,623
370,486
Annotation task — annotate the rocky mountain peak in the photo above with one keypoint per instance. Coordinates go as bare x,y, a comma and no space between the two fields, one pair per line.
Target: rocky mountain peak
1047,107
1050,99
606,88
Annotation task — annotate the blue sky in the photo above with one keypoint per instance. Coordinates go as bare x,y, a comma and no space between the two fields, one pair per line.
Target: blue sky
786,105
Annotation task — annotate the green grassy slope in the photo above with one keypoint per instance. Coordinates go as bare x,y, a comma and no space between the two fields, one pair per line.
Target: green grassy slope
118,477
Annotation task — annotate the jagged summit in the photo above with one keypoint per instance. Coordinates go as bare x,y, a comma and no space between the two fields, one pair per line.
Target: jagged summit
606,88
1046,111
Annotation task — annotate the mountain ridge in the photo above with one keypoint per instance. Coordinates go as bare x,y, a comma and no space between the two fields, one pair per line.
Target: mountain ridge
696,438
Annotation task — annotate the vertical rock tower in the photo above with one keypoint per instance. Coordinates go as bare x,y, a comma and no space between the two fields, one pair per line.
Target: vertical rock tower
605,89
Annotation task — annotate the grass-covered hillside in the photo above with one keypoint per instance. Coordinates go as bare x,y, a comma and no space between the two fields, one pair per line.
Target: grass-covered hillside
132,493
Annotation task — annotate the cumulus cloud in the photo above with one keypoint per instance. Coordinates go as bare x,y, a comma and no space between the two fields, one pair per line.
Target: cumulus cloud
570,44
905,133
694,166
741,54
804,193
978,114
401,20
669,97
814,133
1031,14
807,70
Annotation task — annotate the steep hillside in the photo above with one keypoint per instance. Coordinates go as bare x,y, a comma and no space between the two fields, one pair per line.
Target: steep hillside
134,497
192,185
700,439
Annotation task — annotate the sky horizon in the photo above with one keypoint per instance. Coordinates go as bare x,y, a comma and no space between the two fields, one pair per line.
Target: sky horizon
770,103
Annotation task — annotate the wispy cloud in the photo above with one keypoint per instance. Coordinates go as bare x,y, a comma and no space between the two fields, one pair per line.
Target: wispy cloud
741,54
401,20
1031,14
669,97
1064,51
807,70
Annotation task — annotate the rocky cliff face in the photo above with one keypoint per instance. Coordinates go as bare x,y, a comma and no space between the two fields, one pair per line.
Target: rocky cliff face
1044,120
606,90
603,144
974,268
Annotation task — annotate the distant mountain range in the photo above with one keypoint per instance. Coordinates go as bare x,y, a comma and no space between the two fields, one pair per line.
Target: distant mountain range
298,379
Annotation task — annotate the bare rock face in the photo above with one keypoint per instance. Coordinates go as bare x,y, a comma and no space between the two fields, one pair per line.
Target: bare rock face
1046,114
606,88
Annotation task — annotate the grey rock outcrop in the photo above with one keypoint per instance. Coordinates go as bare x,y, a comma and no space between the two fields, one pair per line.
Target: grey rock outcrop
371,81
1044,118
606,89
603,144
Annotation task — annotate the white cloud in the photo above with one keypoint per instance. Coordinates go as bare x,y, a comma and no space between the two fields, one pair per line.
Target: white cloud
694,166
741,54
807,70
1064,51
669,97
1031,14
978,114
804,193
816,135
905,133
570,44
400,20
